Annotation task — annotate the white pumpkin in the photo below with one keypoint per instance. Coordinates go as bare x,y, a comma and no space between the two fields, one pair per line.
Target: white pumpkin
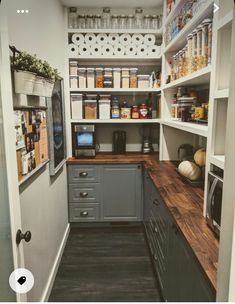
200,157
189,170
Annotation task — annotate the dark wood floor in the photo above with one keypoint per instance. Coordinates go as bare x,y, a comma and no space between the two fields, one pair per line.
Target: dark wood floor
106,264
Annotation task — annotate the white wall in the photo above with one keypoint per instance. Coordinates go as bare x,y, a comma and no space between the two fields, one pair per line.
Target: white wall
44,200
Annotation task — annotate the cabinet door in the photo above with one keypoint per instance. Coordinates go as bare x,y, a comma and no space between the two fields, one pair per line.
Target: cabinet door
122,193
148,188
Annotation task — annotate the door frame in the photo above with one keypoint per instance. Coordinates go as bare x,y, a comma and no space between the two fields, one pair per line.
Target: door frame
9,143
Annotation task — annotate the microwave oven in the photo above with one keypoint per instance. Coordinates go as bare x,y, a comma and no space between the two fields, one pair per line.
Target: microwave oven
214,201
83,141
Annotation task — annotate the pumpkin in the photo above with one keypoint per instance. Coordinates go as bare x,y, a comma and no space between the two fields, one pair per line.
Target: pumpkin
189,170
200,157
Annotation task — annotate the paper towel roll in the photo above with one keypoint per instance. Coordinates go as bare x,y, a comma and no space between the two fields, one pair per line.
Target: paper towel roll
149,39
73,49
154,50
113,39
90,39
96,50
84,50
131,50
137,39
125,39
107,50
101,39
78,39
142,50
119,49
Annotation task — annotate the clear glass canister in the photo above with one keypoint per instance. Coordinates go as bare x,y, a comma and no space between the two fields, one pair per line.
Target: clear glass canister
147,22
99,78
72,18
122,24
97,22
90,109
180,64
125,82
130,23
91,78
205,25
199,47
210,28
106,18
115,22
194,33
90,21
190,53
139,18
81,21
155,22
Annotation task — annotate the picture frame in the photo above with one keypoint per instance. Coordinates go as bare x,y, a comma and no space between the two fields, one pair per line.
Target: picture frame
56,128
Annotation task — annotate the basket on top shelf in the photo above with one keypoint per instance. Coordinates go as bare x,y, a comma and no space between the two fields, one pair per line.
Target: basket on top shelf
32,76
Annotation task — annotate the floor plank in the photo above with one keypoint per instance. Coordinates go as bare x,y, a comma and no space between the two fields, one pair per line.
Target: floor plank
106,264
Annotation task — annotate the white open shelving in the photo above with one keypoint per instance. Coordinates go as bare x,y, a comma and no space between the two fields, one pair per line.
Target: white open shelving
149,59
116,121
113,90
116,31
221,94
193,128
218,160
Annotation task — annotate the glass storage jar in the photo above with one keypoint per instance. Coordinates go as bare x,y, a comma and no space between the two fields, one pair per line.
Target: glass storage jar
195,58
72,18
139,18
82,78
106,18
130,23
104,109
116,78
91,78
147,22
143,81
73,68
81,20
115,22
90,21
133,78
90,109
122,23
97,22
199,47
125,82
99,78
155,22
190,53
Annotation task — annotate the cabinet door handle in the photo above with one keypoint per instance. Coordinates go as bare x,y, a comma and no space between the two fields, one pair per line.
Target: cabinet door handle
83,174
83,194
155,257
156,202
84,213
156,229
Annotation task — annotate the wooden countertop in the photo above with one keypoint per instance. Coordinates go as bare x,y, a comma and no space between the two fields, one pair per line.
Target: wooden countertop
184,202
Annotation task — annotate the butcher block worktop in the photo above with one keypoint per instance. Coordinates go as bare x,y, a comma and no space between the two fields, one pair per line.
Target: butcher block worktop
184,202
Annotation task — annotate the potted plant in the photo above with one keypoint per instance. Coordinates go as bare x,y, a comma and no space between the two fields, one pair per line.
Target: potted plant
24,73
39,88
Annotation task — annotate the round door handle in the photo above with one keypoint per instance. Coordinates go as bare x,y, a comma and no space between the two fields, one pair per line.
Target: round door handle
83,174
84,213
83,194
23,236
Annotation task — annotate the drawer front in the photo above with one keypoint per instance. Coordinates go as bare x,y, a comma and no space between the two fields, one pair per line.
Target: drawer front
84,213
84,193
83,174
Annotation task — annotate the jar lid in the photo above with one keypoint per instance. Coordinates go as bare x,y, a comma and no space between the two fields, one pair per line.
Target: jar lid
99,69
82,69
194,32
91,96
125,69
108,69
90,16
73,9
73,62
115,16
155,17
147,16
133,69
123,16
135,106
206,21
90,101
106,10
76,94
90,69
105,101
130,16
82,16
199,28
190,36
139,10
117,69
143,76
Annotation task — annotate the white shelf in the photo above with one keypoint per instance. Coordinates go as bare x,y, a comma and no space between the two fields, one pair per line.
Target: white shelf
193,128
180,39
172,13
226,21
118,121
220,94
197,78
29,175
113,90
117,58
116,31
218,160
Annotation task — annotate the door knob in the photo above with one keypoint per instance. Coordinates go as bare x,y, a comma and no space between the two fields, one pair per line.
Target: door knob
23,236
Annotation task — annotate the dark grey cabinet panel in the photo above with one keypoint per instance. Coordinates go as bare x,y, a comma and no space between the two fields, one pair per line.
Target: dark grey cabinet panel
84,193
84,212
122,192
84,174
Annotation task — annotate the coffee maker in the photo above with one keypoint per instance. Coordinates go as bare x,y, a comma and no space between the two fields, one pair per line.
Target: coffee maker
147,146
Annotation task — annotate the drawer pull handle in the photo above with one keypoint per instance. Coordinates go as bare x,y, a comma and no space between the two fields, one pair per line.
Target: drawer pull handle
83,194
155,257
83,174
156,202
155,229
84,213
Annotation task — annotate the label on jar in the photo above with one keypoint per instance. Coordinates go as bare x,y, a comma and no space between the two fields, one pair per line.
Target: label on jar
115,113
144,113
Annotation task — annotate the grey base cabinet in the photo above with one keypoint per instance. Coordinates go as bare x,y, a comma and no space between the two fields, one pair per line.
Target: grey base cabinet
180,276
105,193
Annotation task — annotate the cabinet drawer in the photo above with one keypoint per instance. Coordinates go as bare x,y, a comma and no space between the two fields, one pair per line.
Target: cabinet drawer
84,213
84,193
84,174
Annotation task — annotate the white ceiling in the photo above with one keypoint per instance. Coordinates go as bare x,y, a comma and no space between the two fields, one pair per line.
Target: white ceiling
112,3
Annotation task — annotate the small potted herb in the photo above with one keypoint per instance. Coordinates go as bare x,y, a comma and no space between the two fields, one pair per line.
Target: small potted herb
50,76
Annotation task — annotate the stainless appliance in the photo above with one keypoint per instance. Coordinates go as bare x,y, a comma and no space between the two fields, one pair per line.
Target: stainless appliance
119,142
83,141
214,200
147,147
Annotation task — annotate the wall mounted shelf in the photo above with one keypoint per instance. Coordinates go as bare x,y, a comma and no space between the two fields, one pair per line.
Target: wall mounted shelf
113,90
193,128
116,121
218,160
31,174
116,31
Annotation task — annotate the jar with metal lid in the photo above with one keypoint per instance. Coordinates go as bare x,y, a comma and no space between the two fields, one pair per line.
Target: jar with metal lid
115,110
205,27
139,18
106,18
122,23
72,18
135,112
90,21
91,78
99,78
115,22
147,22
97,22
143,109
199,47
130,22
155,22
190,53
81,20
194,49
125,111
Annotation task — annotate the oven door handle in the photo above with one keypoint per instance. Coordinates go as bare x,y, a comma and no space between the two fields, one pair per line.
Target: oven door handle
210,198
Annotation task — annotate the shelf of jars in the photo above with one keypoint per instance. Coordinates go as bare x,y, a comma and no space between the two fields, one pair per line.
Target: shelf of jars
190,127
142,60
156,32
218,160
113,90
180,38
200,77
117,121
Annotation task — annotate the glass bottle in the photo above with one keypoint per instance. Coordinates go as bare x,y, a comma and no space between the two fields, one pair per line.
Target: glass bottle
147,22
139,18
72,18
115,22
81,22
123,22
154,23
130,22
97,22
106,18
90,22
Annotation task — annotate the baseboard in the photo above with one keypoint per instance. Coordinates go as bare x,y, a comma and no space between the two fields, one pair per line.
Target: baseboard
55,267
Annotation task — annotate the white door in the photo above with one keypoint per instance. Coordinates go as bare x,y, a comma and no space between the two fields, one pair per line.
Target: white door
11,255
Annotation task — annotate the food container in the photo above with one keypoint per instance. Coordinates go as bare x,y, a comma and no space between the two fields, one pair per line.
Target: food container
73,82
108,84
82,78
199,47
205,28
104,109
143,81
194,50
115,111
184,111
91,96
209,42
90,109
73,68
108,72
135,112
90,78
117,78
76,106
105,97
143,111
133,78
125,111
99,79
175,111
190,53
199,113
125,82
125,72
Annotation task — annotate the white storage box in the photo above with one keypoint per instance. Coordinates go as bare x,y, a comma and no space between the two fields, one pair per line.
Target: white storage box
104,109
82,78
76,106
117,78
90,78
143,81
73,82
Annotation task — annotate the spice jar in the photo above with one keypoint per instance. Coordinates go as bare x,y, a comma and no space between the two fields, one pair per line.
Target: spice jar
143,109
115,111
99,80
135,113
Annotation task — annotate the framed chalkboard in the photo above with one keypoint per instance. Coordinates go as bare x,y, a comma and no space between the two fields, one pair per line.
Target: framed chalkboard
56,126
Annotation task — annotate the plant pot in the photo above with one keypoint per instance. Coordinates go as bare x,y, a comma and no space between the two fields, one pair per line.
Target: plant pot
38,89
24,82
49,86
